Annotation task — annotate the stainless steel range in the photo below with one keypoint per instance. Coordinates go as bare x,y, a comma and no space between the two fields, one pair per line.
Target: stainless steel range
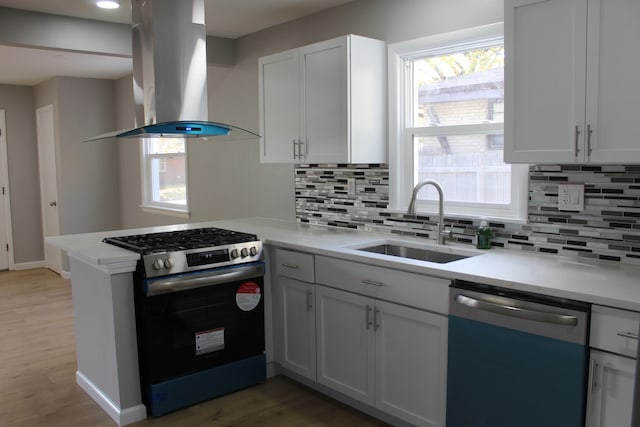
199,314
180,251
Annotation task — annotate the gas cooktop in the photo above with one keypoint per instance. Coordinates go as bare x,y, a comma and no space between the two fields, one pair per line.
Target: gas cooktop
180,251
180,240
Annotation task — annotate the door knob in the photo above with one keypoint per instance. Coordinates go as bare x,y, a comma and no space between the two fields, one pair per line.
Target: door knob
54,203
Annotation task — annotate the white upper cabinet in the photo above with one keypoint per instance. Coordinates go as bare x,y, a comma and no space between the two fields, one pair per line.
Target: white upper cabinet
571,91
279,90
324,103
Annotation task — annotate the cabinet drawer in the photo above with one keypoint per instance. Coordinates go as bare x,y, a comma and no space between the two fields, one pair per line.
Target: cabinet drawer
296,265
415,290
614,330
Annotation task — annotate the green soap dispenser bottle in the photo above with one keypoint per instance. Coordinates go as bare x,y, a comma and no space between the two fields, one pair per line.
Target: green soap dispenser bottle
483,235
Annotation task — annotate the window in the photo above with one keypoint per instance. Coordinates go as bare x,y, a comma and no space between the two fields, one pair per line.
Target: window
164,168
450,120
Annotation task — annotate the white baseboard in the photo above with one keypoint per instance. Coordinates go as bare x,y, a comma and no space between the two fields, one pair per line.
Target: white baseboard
119,415
29,265
39,264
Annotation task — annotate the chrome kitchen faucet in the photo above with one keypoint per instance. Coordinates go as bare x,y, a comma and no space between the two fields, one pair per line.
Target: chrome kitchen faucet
411,210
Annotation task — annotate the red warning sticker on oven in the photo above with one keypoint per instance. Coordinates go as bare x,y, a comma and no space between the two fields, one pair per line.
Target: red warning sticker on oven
248,296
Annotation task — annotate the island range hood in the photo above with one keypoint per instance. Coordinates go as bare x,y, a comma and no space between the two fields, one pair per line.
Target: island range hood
170,74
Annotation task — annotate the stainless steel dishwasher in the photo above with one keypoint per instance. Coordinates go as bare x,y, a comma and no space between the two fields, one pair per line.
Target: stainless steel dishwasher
515,359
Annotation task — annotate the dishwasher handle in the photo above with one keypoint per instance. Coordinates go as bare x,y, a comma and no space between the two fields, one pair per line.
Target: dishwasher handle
519,312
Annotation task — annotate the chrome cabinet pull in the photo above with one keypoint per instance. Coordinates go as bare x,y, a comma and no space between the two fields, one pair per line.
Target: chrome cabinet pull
372,282
628,335
284,264
577,149
519,312
297,154
376,319
592,376
309,300
368,316
589,132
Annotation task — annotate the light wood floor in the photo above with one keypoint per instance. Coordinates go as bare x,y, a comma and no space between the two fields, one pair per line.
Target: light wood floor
37,373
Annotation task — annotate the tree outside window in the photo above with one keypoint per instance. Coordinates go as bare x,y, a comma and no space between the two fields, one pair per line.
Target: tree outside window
458,112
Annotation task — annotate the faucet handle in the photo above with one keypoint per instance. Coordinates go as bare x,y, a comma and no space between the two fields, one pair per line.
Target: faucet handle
447,232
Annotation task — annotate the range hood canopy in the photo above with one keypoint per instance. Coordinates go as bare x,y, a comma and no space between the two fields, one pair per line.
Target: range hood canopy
170,74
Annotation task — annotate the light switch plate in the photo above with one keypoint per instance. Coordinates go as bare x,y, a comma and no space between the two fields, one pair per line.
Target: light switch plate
571,197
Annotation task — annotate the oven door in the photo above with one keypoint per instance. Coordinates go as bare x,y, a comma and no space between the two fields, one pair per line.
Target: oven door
196,321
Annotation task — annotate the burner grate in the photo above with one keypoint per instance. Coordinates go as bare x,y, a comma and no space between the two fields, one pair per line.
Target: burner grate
179,240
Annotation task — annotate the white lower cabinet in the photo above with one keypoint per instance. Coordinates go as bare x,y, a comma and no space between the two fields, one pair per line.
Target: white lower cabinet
386,355
613,341
345,343
411,360
611,384
298,329
294,312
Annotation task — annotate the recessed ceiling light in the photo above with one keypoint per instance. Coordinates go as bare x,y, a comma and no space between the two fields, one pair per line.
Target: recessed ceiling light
108,4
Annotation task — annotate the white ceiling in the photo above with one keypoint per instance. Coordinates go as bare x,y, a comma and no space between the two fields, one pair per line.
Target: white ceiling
224,18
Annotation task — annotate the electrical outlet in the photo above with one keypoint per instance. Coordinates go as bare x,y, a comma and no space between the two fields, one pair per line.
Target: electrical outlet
571,197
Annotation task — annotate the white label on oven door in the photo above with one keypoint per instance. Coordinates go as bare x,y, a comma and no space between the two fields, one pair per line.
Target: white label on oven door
209,341
248,296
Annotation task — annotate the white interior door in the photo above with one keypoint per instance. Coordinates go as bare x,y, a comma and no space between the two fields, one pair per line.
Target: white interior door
48,185
6,244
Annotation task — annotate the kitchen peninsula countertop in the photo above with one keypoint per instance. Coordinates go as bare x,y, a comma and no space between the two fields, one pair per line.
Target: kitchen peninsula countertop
600,282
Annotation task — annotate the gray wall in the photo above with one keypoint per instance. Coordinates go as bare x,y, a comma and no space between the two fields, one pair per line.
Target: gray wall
228,180
100,183
89,176
88,190
222,176
26,28
24,178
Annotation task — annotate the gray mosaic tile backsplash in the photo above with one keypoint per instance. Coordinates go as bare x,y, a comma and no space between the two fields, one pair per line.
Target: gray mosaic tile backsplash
357,196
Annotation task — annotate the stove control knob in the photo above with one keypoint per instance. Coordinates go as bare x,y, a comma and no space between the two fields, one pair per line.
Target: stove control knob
168,263
244,252
234,253
253,251
158,264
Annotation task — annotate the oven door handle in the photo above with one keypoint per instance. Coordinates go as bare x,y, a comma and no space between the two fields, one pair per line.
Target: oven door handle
210,278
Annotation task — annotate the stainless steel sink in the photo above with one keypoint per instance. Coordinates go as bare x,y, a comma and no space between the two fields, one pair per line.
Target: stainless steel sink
421,254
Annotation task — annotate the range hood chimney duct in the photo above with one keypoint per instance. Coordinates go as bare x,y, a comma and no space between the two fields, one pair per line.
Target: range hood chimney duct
170,73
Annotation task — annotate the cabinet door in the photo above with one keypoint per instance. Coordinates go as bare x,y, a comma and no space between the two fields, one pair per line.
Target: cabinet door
345,343
613,93
298,329
545,48
611,383
324,101
411,348
279,111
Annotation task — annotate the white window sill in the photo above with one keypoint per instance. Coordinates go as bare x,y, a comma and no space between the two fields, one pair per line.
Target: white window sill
166,211
464,216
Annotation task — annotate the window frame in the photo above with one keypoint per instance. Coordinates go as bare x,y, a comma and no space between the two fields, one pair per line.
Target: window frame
148,204
401,162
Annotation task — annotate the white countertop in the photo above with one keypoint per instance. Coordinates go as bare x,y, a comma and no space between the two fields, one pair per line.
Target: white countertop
600,282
